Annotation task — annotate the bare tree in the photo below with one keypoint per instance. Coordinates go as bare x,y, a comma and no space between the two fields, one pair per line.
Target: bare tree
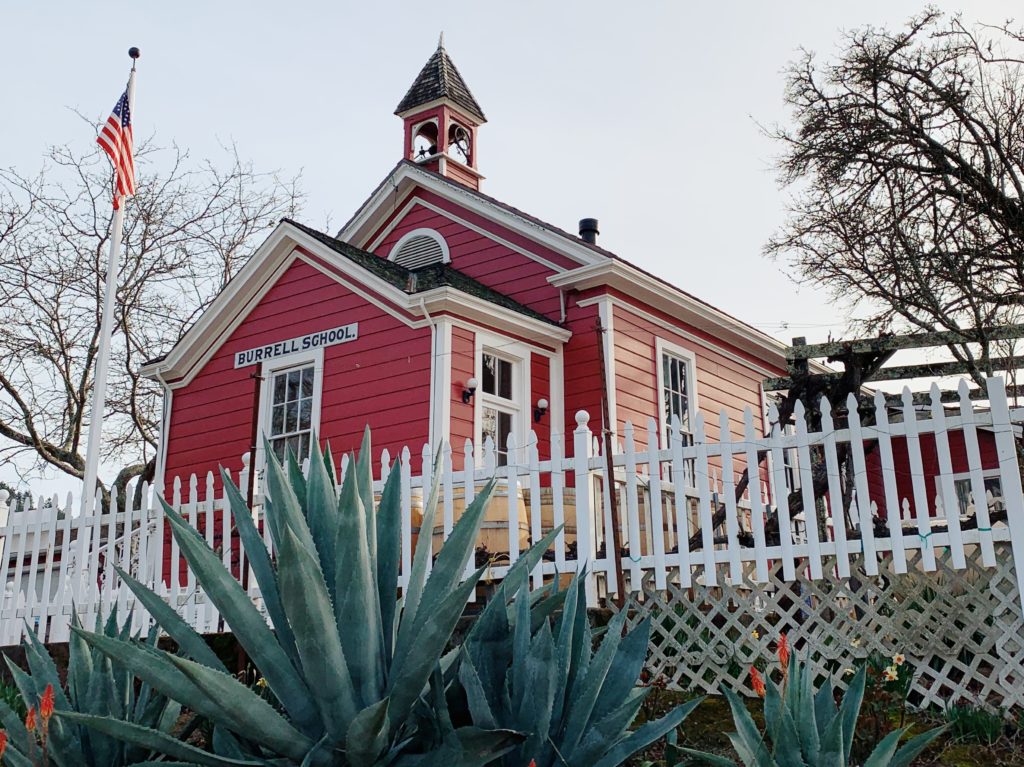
189,228
907,163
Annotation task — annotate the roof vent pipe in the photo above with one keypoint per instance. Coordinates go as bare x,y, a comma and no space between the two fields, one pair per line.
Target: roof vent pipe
588,230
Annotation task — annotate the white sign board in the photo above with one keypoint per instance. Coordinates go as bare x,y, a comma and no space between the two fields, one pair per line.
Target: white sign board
339,335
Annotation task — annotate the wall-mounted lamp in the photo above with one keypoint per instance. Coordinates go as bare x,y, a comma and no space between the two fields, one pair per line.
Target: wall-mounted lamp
540,410
469,391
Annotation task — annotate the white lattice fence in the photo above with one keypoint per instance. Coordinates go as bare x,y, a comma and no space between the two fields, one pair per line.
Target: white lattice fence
962,629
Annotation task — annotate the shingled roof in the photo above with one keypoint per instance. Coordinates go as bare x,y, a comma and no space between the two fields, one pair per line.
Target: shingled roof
440,79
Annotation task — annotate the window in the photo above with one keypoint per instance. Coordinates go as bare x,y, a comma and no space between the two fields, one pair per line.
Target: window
291,411
965,494
677,387
790,465
499,409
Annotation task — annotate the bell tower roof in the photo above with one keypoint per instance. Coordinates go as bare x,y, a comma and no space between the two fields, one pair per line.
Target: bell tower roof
439,79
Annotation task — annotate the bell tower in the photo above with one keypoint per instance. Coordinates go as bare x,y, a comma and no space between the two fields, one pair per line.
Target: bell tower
441,120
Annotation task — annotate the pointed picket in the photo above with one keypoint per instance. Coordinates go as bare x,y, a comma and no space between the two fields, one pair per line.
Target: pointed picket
657,516
892,499
406,487
728,495
835,489
981,515
682,507
557,501
921,505
512,477
756,502
448,488
468,494
632,510
533,459
863,497
705,512
785,525
946,489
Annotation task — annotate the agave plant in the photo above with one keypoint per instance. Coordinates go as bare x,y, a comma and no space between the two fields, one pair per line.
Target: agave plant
523,670
804,727
95,686
347,661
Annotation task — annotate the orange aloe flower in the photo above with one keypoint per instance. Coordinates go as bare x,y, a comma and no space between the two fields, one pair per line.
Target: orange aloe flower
3,741
30,719
46,704
757,681
783,651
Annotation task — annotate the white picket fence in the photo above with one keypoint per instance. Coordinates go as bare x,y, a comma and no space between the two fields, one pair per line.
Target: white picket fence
55,560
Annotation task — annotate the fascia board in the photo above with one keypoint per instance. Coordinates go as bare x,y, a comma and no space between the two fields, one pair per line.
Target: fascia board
446,299
360,227
651,292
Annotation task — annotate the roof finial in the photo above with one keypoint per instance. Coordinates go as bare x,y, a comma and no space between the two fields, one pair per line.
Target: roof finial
440,41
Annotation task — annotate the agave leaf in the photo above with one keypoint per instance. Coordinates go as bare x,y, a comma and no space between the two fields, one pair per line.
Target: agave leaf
287,505
367,736
322,514
886,749
536,697
788,749
625,670
363,472
913,747
418,572
188,640
704,757
747,741
243,710
410,673
356,609
389,526
468,747
832,748
79,663
849,709
824,706
479,705
772,709
14,758
154,668
13,724
296,480
646,734
153,740
521,639
446,573
259,561
311,616
605,732
250,628
581,705
804,716
563,647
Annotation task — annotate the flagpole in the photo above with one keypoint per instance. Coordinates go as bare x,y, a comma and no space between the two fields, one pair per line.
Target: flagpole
99,392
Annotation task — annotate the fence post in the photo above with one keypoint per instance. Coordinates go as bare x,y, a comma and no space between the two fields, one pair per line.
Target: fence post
585,550
1009,475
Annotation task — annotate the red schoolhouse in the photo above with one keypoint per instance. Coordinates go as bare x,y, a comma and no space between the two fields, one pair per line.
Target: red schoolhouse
439,313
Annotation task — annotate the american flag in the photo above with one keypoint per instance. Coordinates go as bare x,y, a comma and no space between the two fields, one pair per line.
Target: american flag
116,140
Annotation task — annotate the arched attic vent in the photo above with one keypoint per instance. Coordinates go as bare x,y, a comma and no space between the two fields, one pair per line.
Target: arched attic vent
420,248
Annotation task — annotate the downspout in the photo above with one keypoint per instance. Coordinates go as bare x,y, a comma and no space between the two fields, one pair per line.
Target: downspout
165,432
434,362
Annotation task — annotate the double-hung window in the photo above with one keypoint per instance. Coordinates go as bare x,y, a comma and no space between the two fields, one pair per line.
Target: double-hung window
290,414
966,502
499,408
677,390
291,411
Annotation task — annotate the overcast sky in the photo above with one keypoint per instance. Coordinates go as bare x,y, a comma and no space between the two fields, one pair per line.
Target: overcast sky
644,115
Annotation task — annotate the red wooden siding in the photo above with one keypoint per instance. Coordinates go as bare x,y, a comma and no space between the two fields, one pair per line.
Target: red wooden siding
477,255
930,459
582,371
463,368
722,383
364,380
540,388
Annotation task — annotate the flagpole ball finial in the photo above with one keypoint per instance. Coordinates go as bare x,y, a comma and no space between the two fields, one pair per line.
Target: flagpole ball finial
134,52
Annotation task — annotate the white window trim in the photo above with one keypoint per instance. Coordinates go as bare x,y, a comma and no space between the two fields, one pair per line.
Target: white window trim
422,232
267,369
662,347
966,475
519,355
